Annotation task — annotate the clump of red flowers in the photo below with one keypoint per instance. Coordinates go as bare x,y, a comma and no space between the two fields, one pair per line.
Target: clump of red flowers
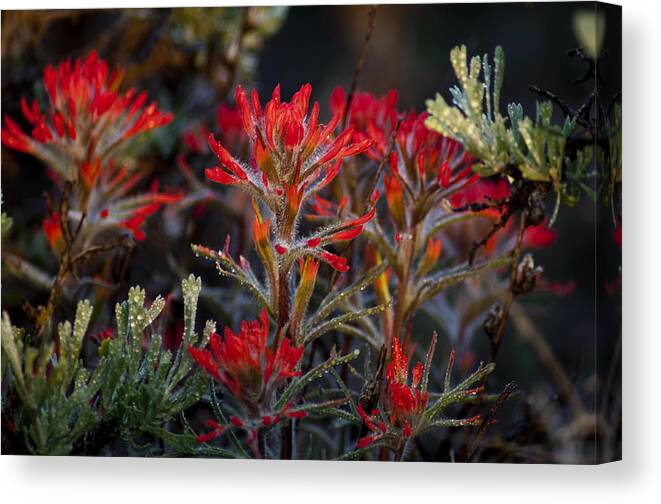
421,170
292,158
405,411
404,403
250,370
425,169
79,134
86,112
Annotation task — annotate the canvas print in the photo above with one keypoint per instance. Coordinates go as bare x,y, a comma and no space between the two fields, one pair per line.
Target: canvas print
344,233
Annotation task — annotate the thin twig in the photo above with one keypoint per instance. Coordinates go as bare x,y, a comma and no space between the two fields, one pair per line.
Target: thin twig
371,16
516,254
46,313
490,418
232,61
564,106
87,254
502,222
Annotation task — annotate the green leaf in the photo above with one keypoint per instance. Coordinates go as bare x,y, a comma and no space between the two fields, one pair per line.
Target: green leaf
298,384
334,298
436,283
312,333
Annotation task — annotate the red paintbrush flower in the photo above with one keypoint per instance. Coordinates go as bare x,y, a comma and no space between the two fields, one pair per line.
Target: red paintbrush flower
424,166
426,156
87,115
289,146
373,118
292,158
245,365
428,168
405,402
87,119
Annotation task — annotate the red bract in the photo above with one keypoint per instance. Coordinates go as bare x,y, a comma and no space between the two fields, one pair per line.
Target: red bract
216,430
485,191
230,124
113,204
539,236
373,423
246,366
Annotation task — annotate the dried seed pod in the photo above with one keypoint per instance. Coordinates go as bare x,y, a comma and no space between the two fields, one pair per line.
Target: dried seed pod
536,209
525,276
493,320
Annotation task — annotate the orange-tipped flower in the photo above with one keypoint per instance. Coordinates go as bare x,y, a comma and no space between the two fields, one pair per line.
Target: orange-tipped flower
260,233
309,268
430,258
395,199
52,226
